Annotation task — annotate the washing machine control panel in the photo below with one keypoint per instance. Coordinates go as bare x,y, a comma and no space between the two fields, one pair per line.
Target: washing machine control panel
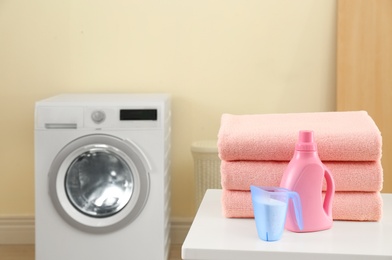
120,117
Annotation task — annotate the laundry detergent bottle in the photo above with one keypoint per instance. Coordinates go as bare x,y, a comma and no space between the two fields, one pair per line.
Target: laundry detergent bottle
305,175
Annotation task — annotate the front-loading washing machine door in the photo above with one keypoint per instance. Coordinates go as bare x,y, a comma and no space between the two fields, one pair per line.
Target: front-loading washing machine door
99,183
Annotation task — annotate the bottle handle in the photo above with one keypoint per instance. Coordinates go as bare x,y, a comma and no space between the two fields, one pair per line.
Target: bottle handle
329,193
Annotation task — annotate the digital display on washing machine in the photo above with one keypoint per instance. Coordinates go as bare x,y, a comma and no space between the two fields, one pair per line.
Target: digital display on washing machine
138,114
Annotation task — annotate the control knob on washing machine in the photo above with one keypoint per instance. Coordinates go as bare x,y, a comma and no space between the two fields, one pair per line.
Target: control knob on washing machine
98,116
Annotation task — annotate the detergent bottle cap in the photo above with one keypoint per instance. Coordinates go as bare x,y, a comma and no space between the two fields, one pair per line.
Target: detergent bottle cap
305,141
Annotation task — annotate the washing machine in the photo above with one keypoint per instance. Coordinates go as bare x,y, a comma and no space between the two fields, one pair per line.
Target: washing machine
102,181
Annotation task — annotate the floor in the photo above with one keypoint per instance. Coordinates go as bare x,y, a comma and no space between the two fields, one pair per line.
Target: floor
26,252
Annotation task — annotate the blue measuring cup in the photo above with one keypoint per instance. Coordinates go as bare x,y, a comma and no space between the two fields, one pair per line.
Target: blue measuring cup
270,208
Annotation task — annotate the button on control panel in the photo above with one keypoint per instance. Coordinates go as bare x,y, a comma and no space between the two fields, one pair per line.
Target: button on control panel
98,116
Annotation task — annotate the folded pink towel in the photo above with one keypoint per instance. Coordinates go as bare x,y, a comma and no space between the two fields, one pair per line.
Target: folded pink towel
348,176
357,206
340,136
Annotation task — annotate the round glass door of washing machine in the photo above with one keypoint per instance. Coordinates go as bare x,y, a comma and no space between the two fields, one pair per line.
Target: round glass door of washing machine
99,183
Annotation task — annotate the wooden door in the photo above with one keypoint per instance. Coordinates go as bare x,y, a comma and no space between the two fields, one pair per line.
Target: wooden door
364,66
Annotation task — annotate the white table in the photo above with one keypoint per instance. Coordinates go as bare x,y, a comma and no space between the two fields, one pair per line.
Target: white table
213,237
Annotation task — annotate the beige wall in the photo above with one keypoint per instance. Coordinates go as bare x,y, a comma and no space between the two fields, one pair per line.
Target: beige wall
255,56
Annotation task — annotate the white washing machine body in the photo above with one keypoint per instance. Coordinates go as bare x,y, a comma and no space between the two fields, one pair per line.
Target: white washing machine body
102,181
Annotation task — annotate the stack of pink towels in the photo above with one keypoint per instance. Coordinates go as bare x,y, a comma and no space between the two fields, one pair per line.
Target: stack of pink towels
256,149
